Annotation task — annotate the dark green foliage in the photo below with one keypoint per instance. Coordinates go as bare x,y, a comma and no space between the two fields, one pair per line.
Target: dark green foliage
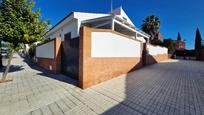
157,42
179,36
198,40
198,44
169,43
185,53
1,65
151,26
19,24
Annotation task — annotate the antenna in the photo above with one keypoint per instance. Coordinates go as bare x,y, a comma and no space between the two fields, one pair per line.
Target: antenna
121,3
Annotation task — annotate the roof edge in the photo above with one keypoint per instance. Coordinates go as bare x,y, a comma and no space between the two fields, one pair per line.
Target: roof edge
60,21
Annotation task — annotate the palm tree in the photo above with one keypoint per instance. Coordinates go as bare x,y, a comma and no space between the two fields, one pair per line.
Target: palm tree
151,26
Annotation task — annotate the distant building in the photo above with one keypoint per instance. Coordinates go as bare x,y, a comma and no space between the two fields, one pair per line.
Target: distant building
180,45
158,36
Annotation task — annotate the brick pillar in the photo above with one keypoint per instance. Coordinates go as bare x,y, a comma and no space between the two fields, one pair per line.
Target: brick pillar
84,54
57,53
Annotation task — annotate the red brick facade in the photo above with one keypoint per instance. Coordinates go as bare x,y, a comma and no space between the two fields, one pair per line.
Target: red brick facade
152,59
180,45
155,59
93,70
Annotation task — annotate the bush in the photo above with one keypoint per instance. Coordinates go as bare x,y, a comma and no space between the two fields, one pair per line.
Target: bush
185,53
157,42
169,43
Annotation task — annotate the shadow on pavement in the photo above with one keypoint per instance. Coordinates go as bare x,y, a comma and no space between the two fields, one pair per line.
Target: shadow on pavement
13,68
46,73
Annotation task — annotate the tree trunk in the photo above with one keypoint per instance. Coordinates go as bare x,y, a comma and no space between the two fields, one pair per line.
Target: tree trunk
8,66
151,37
1,65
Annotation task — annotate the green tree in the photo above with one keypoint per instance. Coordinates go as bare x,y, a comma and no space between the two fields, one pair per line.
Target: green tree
151,26
198,40
198,43
179,36
19,24
157,42
169,43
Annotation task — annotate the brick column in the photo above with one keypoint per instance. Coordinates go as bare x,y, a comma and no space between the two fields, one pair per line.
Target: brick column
84,53
57,57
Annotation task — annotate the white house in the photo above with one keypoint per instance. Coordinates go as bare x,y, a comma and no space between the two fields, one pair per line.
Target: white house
95,47
117,20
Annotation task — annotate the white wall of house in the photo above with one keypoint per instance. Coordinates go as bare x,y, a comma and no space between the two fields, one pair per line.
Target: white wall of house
73,22
87,16
107,44
81,16
46,50
71,26
156,50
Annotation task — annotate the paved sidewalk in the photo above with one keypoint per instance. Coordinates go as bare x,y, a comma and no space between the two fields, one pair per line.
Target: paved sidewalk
172,87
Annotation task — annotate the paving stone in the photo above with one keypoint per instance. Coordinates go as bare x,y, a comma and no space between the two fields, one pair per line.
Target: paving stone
171,87
55,109
36,112
46,111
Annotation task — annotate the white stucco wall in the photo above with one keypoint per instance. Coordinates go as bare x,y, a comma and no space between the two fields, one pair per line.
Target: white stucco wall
86,16
82,16
155,50
71,26
107,44
46,50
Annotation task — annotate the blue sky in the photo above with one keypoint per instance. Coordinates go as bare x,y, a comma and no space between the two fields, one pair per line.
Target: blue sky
182,16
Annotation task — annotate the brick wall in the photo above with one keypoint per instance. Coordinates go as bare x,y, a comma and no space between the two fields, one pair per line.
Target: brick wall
180,45
95,70
157,56
52,64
